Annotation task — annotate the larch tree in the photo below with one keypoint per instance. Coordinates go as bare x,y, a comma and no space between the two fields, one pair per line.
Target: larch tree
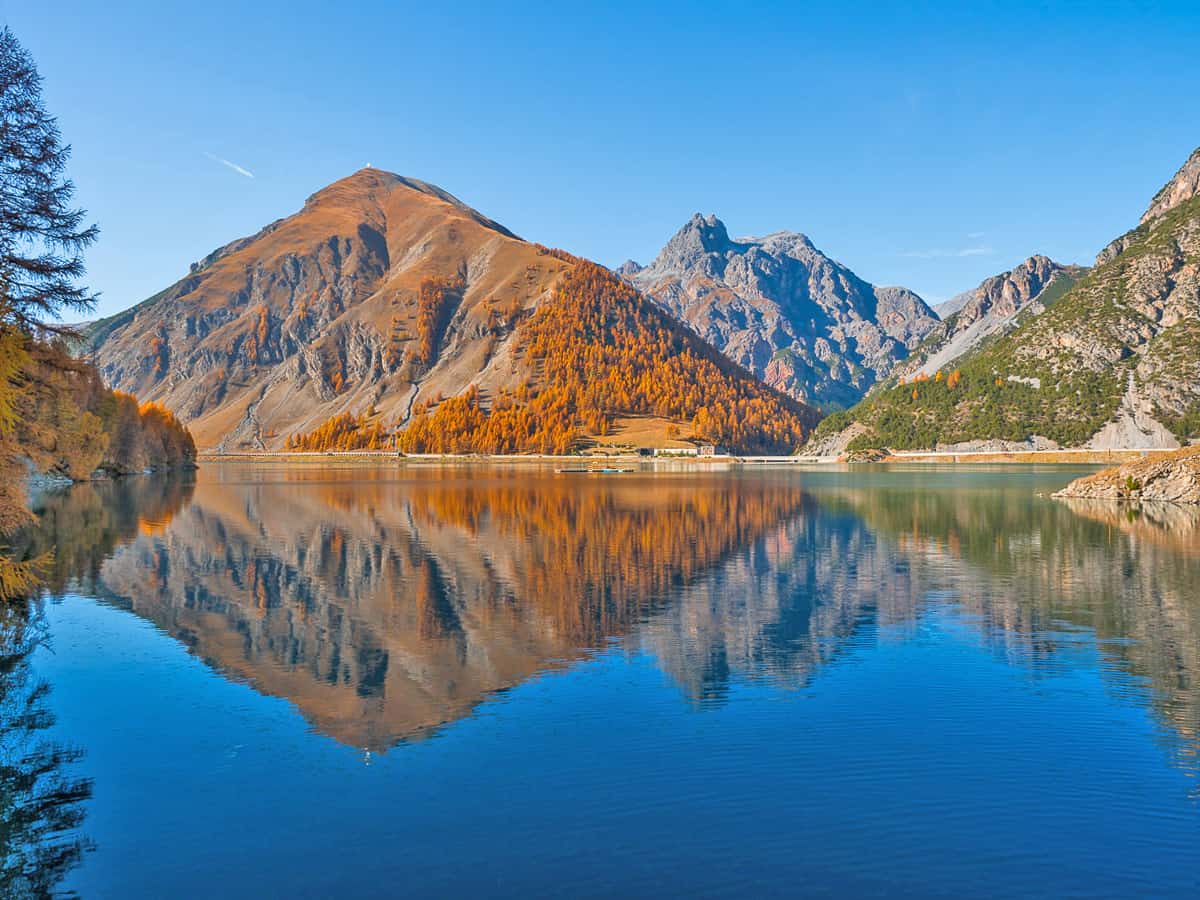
42,234
42,238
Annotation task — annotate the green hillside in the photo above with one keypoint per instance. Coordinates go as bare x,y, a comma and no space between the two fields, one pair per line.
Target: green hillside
1134,319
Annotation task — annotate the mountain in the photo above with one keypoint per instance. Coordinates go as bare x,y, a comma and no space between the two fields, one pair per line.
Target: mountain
947,308
781,308
972,316
357,315
1113,360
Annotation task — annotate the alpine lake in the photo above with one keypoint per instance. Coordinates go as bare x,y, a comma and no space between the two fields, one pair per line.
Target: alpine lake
376,680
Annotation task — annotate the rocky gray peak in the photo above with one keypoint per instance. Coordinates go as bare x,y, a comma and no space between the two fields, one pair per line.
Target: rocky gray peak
903,315
793,243
781,308
1002,296
629,268
699,238
1183,187
987,310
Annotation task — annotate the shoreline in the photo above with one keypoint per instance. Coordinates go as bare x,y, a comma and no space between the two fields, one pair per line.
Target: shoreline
926,457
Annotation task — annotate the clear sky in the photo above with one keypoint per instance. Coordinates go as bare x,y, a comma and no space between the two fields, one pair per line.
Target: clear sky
923,144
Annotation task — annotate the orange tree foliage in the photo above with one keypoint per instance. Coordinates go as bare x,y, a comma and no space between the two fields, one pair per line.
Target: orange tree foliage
160,352
66,421
256,342
599,349
435,298
343,432
541,423
394,352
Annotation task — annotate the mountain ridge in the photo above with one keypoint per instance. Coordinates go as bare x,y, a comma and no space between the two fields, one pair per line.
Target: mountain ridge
1114,362
988,309
379,298
781,308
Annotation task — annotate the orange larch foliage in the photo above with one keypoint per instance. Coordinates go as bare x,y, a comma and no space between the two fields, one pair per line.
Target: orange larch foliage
343,432
598,349
397,335
435,302
160,353
256,341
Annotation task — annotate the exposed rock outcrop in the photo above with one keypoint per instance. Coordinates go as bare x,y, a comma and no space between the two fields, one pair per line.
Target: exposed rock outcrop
1184,186
1171,478
971,317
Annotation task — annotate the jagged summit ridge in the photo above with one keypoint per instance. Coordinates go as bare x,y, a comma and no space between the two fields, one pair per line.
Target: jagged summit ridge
784,310
702,239
987,310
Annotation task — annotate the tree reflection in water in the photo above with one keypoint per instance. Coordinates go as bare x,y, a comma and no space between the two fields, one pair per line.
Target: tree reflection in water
41,801
386,604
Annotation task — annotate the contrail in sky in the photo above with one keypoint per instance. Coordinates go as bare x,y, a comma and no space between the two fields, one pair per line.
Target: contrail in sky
231,165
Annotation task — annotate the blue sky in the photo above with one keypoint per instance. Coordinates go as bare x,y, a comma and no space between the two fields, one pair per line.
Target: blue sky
929,145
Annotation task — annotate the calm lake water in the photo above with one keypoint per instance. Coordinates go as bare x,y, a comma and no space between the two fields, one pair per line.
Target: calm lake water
403,681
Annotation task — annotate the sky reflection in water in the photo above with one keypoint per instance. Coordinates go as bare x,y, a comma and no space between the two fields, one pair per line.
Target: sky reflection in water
429,681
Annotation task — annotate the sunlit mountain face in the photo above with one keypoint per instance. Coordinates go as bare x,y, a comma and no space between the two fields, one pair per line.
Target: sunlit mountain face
386,604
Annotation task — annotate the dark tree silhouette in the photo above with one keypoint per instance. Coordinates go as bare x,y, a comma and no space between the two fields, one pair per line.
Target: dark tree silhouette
41,802
42,237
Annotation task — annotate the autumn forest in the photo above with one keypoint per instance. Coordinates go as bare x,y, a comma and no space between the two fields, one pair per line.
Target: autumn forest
594,351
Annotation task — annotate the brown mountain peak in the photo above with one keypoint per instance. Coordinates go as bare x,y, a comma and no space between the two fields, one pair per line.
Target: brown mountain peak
355,317
371,185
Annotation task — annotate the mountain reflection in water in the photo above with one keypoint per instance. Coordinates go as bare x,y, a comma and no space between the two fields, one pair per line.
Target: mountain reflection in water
386,603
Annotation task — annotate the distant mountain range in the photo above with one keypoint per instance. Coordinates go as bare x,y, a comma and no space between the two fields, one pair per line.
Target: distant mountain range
388,313
781,308
1047,355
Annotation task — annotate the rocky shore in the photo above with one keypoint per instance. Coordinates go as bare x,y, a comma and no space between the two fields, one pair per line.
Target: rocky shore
1170,478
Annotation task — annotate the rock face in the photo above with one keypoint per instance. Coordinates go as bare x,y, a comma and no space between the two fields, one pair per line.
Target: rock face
1184,186
1109,358
1172,478
991,308
781,308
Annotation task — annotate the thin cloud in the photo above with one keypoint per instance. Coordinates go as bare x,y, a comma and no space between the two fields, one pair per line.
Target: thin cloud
231,165
948,254
975,235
